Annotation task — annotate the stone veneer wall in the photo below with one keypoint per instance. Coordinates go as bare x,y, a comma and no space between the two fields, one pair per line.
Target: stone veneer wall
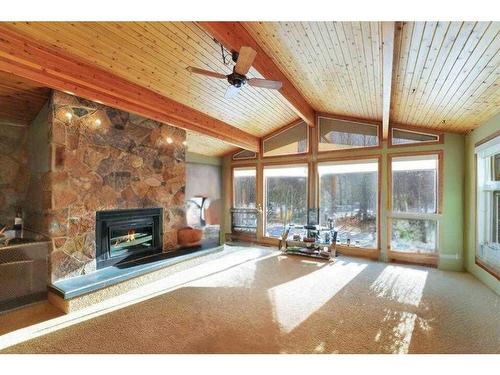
102,159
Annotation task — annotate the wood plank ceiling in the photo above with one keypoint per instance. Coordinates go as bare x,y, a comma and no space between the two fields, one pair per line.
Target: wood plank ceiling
20,100
155,55
445,74
336,65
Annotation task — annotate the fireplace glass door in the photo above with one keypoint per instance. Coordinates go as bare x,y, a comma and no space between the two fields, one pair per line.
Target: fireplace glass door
125,235
130,238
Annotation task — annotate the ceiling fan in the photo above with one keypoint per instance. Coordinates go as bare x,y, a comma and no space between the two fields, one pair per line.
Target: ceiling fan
244,60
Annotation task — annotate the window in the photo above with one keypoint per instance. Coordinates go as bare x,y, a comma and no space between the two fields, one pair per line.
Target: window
410,137
340,135
244,154
294,140
414,203
348,194
488,206
285,190
244,182
414,184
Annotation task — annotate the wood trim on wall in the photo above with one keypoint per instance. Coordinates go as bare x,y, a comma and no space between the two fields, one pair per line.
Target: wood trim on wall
57,69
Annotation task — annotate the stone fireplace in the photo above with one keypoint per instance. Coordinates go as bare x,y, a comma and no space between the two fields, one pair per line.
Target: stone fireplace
124,235
101,159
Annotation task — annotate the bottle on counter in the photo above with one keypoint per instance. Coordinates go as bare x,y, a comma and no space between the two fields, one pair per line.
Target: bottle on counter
18,225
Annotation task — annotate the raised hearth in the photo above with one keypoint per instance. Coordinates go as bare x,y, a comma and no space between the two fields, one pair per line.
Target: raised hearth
124,235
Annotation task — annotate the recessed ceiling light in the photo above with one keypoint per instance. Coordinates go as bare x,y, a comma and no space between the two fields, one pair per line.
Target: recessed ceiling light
98,122
69,115
184,143
169,140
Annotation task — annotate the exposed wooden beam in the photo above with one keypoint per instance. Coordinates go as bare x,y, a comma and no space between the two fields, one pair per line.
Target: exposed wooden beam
51,67
388,30
233,36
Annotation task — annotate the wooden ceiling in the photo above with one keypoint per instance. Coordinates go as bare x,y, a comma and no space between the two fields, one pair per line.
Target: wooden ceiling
336,65
155,55
201,144
20,100
445,74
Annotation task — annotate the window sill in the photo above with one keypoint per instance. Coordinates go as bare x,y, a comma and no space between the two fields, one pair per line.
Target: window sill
419,258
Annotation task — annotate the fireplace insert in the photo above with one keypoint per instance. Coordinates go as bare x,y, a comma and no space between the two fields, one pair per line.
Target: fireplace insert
124,235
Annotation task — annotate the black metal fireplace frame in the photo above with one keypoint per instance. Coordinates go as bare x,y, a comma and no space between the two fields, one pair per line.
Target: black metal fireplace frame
105,220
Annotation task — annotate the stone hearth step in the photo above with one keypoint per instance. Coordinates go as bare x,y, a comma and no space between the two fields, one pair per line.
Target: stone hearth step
82,291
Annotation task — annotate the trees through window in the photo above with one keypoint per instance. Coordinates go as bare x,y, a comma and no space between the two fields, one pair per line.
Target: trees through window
340,135
348,197
285,198
414,223
244,184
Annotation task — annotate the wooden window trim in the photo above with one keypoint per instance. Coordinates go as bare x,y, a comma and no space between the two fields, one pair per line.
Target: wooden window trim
477,261
486,267
264,238
282,130
249,166
414,129
249,158
353,250
416,255
347,119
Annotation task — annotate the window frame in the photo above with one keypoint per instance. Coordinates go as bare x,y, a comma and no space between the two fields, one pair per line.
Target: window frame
413,129
282,130
354,250
247,158
477,260
264,191
249,166
351,149
415,255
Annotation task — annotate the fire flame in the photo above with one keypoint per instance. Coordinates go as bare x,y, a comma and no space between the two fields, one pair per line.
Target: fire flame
130,235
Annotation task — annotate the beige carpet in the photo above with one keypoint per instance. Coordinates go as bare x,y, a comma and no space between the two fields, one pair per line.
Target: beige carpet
253,300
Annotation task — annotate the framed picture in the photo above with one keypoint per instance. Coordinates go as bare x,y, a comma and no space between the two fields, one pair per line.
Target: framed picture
496,167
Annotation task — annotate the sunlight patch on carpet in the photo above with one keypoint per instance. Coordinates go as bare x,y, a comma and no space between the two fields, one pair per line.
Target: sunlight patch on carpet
397,332
295,301
400,284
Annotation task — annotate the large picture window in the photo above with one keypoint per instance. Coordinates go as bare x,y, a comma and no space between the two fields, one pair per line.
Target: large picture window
414,203
341,135
488,206
244,183
348,197
285,197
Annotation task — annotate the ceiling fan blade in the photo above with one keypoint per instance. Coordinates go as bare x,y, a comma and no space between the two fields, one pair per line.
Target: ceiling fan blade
265,83
245,60
204,72
231,91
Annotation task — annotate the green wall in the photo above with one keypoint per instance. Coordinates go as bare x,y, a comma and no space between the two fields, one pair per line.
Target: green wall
490,127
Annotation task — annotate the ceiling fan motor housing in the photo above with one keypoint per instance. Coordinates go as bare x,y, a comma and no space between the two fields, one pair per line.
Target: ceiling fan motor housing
236,79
